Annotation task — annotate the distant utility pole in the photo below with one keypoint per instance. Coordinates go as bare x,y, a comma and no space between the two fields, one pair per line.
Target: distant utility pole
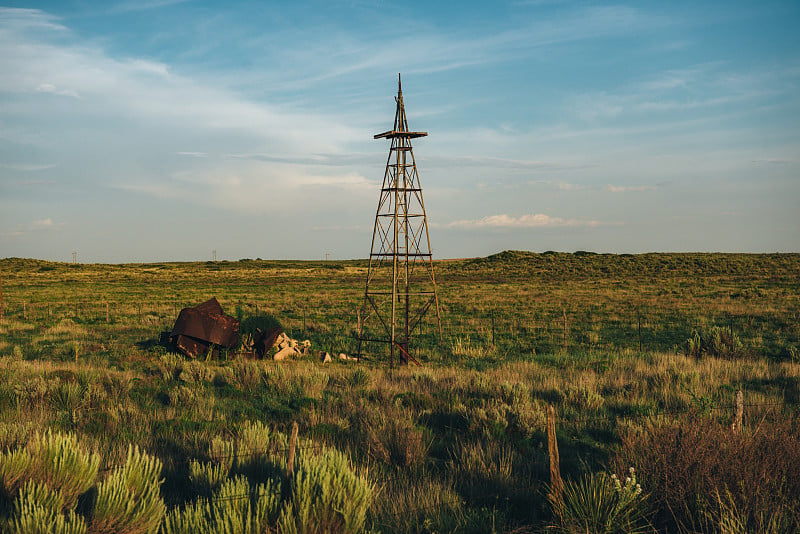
74,257
214,254
327,256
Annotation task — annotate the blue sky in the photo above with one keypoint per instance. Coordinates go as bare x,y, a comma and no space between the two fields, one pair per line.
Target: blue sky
162,130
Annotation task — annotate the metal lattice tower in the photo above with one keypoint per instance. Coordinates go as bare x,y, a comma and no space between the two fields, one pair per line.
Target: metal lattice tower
401,285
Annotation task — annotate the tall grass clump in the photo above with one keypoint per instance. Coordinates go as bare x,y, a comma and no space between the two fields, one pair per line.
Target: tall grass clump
394,439
718,341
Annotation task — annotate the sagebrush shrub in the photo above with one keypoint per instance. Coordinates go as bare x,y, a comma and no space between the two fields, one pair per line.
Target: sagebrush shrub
129,501
38,510
56,460
207,477
325,496
395,440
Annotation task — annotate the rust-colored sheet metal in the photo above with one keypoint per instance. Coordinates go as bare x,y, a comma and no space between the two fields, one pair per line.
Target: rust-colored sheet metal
266,340
196,329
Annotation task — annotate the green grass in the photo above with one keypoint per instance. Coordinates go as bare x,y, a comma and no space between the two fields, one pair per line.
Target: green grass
458,444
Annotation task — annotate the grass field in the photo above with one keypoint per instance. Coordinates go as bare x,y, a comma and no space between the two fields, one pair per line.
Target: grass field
640,355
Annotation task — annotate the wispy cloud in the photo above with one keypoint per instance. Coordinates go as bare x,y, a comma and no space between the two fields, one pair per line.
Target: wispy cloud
28,167
144,5
41,225
538,220
52,89
773,161
712,87
629,188
45,224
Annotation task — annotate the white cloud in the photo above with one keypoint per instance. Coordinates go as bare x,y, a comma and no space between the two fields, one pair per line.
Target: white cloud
538,220
27,167
629,188
42,225
52,89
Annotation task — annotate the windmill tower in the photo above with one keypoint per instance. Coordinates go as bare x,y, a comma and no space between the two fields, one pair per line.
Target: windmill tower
401,286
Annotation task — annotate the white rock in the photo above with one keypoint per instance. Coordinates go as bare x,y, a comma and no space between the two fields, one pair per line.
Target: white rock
286,352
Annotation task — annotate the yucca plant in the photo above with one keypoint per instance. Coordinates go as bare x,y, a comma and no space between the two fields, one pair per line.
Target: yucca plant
720,342
129,501
37,510
325,496
67,399
600,504
359,379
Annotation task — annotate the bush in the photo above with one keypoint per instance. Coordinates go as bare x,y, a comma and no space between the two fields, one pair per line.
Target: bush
55,460
37,510
701,472
393,439
599,503
237,507
207,477
720,342
325,496
129,501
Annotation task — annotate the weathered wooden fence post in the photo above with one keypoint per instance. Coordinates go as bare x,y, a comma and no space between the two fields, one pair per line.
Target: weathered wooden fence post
564,311
492,327
556,484
292,449
639,328
107,313
737,419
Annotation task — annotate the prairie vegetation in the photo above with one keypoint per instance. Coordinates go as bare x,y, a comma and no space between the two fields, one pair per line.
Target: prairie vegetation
641,356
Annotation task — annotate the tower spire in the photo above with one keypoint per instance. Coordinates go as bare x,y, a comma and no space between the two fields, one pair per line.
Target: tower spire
401,285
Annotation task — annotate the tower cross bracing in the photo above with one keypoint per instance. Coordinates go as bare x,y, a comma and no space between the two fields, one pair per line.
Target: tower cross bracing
401,283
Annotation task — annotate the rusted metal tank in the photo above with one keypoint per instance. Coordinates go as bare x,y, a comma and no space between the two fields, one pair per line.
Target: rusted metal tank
199,329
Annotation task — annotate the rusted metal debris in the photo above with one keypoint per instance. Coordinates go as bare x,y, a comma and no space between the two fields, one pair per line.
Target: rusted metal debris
199,329
258,343
263,341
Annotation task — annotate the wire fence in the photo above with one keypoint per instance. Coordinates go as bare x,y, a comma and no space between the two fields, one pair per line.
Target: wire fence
471,497
540,328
